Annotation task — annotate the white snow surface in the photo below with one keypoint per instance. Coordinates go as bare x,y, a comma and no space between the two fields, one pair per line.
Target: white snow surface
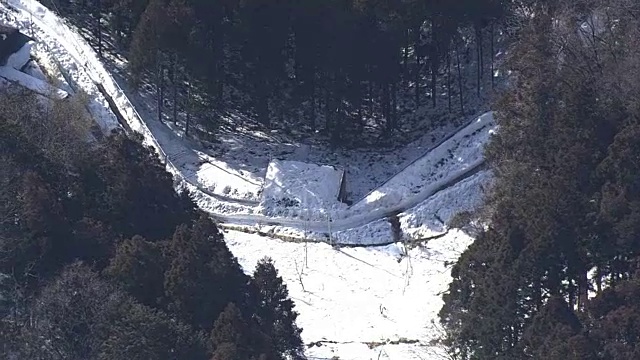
218,177
432,216
34,84
19,58
361,298
301,184
33,69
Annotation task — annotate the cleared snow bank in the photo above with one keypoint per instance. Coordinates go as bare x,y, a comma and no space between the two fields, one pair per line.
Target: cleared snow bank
427,219
362,299
448,163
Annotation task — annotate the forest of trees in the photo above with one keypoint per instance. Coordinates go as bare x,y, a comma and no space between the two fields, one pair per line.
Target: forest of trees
555,275
338,66
100,258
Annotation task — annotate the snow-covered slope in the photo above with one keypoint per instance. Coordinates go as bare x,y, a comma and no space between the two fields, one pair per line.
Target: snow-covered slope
455,156
361,303
50,33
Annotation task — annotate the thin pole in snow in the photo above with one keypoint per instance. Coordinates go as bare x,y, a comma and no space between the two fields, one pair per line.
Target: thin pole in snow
329,226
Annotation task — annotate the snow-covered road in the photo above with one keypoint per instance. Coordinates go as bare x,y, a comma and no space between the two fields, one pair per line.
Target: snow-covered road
357,220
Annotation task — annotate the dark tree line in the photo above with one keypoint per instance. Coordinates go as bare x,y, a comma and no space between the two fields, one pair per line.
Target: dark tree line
101,259
556,274
339,65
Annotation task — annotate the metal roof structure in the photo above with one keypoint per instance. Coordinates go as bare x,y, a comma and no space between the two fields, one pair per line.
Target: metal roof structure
11,40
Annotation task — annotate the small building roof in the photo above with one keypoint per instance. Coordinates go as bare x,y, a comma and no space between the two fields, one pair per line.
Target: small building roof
11,40
299,184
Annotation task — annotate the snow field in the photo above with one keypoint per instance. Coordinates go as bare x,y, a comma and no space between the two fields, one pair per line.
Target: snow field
361,298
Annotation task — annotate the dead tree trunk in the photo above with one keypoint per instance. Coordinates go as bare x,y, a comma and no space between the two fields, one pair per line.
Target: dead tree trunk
160,86
449,78
416,50
188,112
174,84
481,46
394,104
98,13
386,105
434,64
478,60
312,97
459,79
492,55
405,63
583,290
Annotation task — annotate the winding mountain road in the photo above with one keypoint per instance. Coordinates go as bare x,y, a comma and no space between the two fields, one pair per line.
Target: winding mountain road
51,30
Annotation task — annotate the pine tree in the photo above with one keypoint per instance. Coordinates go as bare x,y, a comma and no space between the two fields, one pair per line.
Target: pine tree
554,333
128,188
275,312
147,41
79,315
233,339
562,204
198,255
616,321
139,267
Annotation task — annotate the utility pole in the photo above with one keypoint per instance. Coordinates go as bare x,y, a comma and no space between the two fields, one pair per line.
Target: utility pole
306,241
